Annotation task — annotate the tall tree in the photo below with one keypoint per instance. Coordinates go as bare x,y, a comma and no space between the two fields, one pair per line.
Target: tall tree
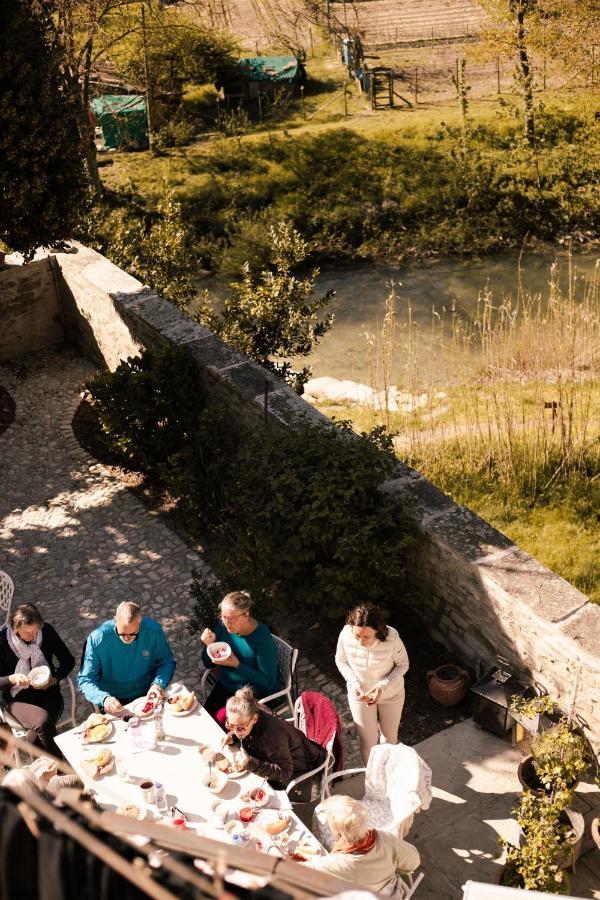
42,181
509,36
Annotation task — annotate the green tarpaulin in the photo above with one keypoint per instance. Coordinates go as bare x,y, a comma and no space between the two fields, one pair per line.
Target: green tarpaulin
280,69
123,120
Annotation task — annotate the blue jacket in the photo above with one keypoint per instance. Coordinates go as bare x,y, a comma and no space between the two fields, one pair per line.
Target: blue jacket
111,668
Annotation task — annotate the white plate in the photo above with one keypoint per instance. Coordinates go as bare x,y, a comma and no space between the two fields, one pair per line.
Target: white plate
138,706
237,774
108,734
184,712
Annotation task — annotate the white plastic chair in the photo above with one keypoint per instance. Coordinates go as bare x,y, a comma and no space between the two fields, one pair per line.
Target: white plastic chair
7,590
326,766
397,785
287,657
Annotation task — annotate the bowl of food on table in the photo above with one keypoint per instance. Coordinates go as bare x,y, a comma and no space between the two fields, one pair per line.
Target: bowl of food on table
218,651
257,797
214,780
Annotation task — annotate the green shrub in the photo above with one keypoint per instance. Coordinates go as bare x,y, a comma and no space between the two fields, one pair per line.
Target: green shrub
303,515
149,406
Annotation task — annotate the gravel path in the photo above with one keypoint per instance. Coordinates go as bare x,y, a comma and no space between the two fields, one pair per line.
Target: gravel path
76,541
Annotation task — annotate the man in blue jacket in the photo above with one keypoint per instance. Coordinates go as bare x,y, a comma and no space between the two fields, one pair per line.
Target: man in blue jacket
125,658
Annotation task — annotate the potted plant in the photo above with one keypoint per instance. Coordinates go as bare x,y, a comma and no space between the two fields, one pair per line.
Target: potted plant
560,755
535,864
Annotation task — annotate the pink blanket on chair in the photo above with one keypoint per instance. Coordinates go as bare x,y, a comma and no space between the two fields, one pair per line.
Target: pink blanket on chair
322,721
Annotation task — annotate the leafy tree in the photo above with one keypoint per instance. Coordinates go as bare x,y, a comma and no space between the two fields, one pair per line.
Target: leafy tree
41,159
564,32
178,50
90,31
510,36
272,313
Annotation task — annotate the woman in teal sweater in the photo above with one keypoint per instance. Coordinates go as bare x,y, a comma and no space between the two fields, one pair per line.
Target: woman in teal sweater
253,657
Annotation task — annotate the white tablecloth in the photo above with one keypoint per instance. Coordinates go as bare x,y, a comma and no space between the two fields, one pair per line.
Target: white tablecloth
178,765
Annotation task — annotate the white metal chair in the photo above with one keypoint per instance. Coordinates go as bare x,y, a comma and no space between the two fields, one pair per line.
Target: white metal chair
397,784
287,657
326,766
406,885
7,590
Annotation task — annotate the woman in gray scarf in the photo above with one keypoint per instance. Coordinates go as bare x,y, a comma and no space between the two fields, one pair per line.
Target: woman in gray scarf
26,643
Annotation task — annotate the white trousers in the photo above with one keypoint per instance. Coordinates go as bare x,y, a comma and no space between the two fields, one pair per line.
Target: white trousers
369,720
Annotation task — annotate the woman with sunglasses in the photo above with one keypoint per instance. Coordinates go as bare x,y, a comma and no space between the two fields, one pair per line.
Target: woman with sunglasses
276,749
253,658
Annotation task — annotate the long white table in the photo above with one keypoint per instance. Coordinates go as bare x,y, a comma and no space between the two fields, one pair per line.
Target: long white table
178,765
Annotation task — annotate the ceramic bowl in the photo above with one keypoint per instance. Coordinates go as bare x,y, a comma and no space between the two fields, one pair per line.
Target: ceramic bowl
218,651
40,676
214,780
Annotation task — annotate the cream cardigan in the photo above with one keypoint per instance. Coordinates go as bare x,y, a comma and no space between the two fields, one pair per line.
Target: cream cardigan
383,664
375,870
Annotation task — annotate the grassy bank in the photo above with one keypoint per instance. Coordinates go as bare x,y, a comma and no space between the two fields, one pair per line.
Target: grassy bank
381,185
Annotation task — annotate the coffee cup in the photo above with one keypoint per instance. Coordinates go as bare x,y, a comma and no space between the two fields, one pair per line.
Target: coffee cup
146,786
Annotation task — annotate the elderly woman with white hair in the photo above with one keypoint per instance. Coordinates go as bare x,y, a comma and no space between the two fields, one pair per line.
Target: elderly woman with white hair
368,858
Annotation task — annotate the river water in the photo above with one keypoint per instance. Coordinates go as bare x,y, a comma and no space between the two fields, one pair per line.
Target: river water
361,291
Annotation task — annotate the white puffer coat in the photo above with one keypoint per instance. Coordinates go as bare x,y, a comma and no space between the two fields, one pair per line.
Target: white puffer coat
382,665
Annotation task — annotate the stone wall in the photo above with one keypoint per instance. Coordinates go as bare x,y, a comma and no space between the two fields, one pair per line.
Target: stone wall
478,593
30,317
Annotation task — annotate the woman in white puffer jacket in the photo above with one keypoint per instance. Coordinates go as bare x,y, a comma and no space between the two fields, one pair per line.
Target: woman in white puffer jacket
373,661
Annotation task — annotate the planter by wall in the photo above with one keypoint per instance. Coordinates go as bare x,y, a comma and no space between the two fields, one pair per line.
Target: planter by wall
529,780
448,684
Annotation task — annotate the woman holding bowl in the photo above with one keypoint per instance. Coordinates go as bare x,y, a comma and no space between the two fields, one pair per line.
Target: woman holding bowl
253,657
373,661
26,643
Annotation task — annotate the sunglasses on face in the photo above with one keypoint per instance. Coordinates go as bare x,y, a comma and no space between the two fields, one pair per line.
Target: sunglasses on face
239,729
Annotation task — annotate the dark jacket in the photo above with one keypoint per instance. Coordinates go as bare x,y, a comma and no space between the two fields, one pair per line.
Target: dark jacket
59,659
278,751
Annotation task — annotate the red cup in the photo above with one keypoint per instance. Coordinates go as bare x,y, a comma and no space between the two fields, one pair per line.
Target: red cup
179,823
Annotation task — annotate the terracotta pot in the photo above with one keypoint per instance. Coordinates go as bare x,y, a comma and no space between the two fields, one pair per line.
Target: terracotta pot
448,684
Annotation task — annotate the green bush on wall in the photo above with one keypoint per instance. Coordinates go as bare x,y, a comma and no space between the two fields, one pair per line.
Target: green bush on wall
295,514
149,406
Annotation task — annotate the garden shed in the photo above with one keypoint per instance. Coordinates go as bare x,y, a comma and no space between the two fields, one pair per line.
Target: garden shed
123,120
264,75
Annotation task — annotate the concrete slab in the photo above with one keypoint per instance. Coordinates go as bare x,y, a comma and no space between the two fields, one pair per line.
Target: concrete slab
475,788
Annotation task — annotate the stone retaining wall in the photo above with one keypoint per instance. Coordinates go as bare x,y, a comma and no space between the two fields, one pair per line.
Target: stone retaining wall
30,316
478,593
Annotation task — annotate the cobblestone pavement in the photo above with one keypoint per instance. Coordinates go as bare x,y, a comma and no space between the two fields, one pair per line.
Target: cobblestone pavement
76,541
